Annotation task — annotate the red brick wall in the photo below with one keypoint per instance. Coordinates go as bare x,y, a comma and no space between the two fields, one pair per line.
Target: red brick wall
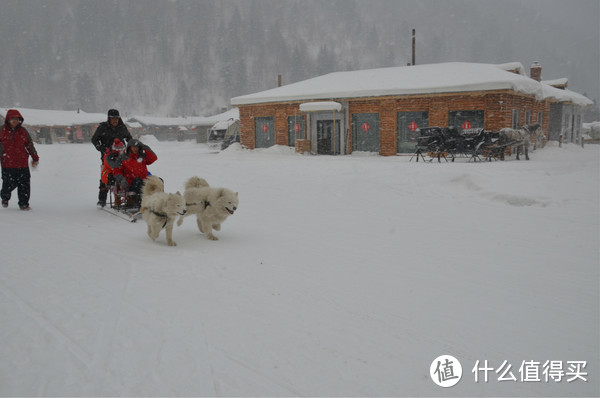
497,105
280,112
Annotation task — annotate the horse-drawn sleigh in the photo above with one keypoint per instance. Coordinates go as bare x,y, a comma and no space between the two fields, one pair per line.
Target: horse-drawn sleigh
476,145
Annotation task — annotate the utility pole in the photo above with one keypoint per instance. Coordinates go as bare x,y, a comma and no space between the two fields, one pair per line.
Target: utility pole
413,46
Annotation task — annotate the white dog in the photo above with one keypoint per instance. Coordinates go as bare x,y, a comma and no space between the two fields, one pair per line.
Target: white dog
211,206
160,209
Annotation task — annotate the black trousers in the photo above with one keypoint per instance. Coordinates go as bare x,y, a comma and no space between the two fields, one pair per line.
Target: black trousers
136,185
16,178
103,192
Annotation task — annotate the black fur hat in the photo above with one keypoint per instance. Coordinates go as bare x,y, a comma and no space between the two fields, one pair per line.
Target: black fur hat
113,113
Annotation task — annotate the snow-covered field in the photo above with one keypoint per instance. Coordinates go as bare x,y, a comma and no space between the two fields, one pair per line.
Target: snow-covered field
338,276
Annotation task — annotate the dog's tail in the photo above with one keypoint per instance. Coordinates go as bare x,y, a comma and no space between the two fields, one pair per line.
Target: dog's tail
196,182
153,185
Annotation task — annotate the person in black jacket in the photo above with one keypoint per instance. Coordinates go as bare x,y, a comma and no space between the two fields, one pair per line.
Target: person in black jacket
103,138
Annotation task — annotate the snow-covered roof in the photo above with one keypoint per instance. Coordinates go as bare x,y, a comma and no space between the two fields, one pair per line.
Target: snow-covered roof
514,67
233,113
223,124
320,106
187,121
563,82
51,118
565,95
133,125
402,80
593,126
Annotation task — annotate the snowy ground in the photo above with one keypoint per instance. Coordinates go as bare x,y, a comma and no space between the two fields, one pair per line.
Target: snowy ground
339,276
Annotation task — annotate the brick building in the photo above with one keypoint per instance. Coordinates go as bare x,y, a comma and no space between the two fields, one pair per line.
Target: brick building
380,110
567,109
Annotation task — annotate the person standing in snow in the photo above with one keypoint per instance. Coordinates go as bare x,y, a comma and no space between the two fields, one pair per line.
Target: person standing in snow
103,138
16,146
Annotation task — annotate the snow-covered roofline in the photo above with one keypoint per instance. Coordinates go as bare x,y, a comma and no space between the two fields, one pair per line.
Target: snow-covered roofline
223,124
565,95
514,67
187,121
52,118
320,106
563,82
447,77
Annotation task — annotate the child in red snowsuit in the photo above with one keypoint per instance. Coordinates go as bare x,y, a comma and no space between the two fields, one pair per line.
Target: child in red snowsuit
112,171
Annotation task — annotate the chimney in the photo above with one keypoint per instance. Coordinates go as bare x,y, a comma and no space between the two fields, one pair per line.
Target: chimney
535,71
278,80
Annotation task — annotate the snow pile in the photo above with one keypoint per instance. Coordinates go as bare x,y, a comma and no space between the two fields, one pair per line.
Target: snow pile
336,276
235,147
278,150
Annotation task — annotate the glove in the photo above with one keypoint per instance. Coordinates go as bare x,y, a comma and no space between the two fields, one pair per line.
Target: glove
121,181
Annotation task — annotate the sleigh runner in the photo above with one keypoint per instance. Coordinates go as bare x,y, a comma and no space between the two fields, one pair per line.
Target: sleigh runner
123,204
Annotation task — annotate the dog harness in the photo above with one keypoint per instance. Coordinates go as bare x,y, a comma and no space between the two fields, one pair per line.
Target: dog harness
166,217
204,203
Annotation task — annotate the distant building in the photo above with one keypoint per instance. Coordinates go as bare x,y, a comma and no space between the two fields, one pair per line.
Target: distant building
173,128
567,109
51,126
381,110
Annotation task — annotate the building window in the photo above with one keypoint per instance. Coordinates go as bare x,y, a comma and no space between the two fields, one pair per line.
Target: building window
365,132
527,117
409,124
465,121
540,119
296,125
264,132
515,119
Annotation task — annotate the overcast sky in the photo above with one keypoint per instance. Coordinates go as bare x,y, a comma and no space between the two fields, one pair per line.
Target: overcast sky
190,57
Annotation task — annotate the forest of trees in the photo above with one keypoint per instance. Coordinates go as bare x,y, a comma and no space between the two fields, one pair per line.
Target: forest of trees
189,57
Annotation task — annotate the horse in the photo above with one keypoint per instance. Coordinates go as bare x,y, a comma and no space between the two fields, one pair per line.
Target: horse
520,137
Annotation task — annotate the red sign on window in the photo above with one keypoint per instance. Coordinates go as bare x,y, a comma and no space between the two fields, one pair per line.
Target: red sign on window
413,126
296,127
265,128
366,127
466,125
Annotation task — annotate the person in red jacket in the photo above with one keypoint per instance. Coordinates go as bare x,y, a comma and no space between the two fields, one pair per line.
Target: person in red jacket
135,167
16,146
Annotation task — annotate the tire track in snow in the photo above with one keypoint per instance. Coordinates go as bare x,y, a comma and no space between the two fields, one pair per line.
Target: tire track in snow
102,351
48,326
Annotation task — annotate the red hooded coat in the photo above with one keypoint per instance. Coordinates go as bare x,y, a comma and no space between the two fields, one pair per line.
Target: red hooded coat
15,144
136,164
